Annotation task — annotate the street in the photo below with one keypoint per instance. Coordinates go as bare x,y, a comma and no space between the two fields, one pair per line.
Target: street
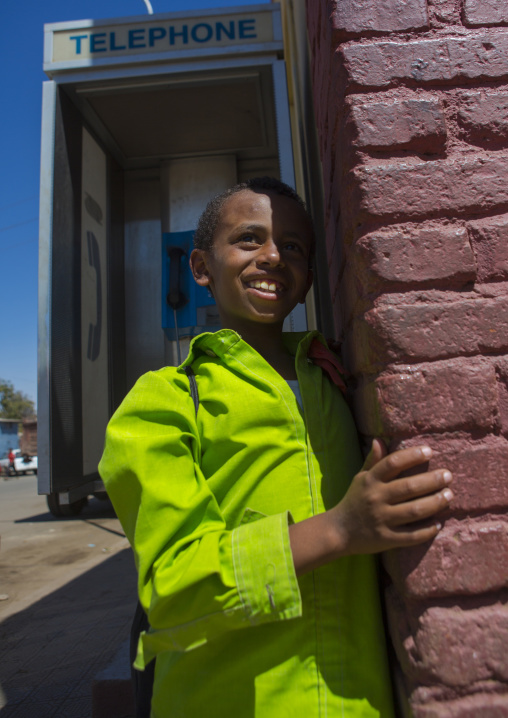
37,550
67,590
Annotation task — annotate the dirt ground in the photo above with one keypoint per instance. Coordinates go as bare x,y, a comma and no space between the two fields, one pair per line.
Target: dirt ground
68,593
39,552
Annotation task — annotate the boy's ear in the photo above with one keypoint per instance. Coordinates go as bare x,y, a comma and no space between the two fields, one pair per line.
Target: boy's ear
310,279
199,267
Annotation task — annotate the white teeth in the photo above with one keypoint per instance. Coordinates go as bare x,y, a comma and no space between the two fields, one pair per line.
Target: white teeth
267,287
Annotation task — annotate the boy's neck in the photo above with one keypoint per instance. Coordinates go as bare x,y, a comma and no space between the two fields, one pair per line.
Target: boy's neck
267,340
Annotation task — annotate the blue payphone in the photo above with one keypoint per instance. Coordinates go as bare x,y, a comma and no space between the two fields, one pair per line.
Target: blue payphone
187,309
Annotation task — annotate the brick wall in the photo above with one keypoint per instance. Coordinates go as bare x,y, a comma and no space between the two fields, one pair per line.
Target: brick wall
411,101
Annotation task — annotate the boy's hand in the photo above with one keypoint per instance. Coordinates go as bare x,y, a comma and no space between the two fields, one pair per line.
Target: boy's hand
378,512
381,511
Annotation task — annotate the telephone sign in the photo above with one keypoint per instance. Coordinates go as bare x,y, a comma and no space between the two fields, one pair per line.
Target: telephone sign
81,43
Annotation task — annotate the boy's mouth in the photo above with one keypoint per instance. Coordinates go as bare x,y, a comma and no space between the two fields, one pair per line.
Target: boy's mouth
266,286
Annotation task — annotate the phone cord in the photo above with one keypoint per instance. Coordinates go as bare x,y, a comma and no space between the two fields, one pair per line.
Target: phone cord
178,351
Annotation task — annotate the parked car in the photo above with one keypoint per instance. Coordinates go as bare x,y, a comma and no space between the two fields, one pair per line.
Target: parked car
23,463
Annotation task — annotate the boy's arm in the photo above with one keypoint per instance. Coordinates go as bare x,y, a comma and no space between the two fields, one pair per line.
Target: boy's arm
378,512
198,578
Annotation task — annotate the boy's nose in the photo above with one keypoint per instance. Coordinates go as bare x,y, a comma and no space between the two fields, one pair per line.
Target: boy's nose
270,254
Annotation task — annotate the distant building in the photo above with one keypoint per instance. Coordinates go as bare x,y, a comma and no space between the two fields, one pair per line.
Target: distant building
8,435
28,438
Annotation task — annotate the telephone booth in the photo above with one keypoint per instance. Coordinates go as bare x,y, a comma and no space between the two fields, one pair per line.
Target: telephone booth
144,119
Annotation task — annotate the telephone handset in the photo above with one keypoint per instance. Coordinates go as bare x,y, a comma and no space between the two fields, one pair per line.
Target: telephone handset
175,297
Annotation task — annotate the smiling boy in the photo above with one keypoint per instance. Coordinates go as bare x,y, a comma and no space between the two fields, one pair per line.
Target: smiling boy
251,521
257,269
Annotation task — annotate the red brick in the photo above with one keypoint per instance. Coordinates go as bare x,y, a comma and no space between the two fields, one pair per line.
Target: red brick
484,116
407,190
502,373
461,395
359,16
441,396
443,12
452,646
415,123
353,299
489,238
484,705
479,469
408,255
435,326
485,12
466,558
478,56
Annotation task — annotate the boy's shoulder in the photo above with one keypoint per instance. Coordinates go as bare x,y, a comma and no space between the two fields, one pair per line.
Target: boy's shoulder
159,385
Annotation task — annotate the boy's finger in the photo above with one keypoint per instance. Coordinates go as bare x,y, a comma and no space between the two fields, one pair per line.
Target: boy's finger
411,487
376,453
404,537
420,509
392,465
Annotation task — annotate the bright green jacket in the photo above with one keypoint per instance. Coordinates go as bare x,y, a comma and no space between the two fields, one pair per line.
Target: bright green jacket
206,501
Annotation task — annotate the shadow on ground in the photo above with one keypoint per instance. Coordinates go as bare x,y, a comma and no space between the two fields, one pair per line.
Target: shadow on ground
51,651
95,509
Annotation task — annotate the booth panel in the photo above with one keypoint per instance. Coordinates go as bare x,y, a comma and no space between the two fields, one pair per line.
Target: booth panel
116,283
65,342
94,302
49,92
145,120
144,346
183,118
74,321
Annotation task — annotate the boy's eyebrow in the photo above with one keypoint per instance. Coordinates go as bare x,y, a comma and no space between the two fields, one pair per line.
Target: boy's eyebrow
249,227
296,235
262,228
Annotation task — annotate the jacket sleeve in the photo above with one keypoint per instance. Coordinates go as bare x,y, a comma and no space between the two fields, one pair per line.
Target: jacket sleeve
197,578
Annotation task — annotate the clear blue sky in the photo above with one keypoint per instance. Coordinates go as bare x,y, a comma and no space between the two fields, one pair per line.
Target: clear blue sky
20,121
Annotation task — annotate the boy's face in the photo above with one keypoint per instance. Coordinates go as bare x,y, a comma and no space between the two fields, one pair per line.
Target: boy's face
258,268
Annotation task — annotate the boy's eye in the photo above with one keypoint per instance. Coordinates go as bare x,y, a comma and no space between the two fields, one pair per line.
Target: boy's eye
295,247
249,239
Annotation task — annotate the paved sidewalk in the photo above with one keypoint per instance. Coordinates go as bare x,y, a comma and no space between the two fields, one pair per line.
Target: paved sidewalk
51,651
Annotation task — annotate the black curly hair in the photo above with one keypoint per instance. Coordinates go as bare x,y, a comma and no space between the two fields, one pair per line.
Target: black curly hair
207,225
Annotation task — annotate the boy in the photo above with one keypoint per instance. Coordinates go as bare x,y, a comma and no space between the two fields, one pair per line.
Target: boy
251,527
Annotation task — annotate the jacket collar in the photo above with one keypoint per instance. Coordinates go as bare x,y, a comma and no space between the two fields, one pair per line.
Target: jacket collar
227,340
